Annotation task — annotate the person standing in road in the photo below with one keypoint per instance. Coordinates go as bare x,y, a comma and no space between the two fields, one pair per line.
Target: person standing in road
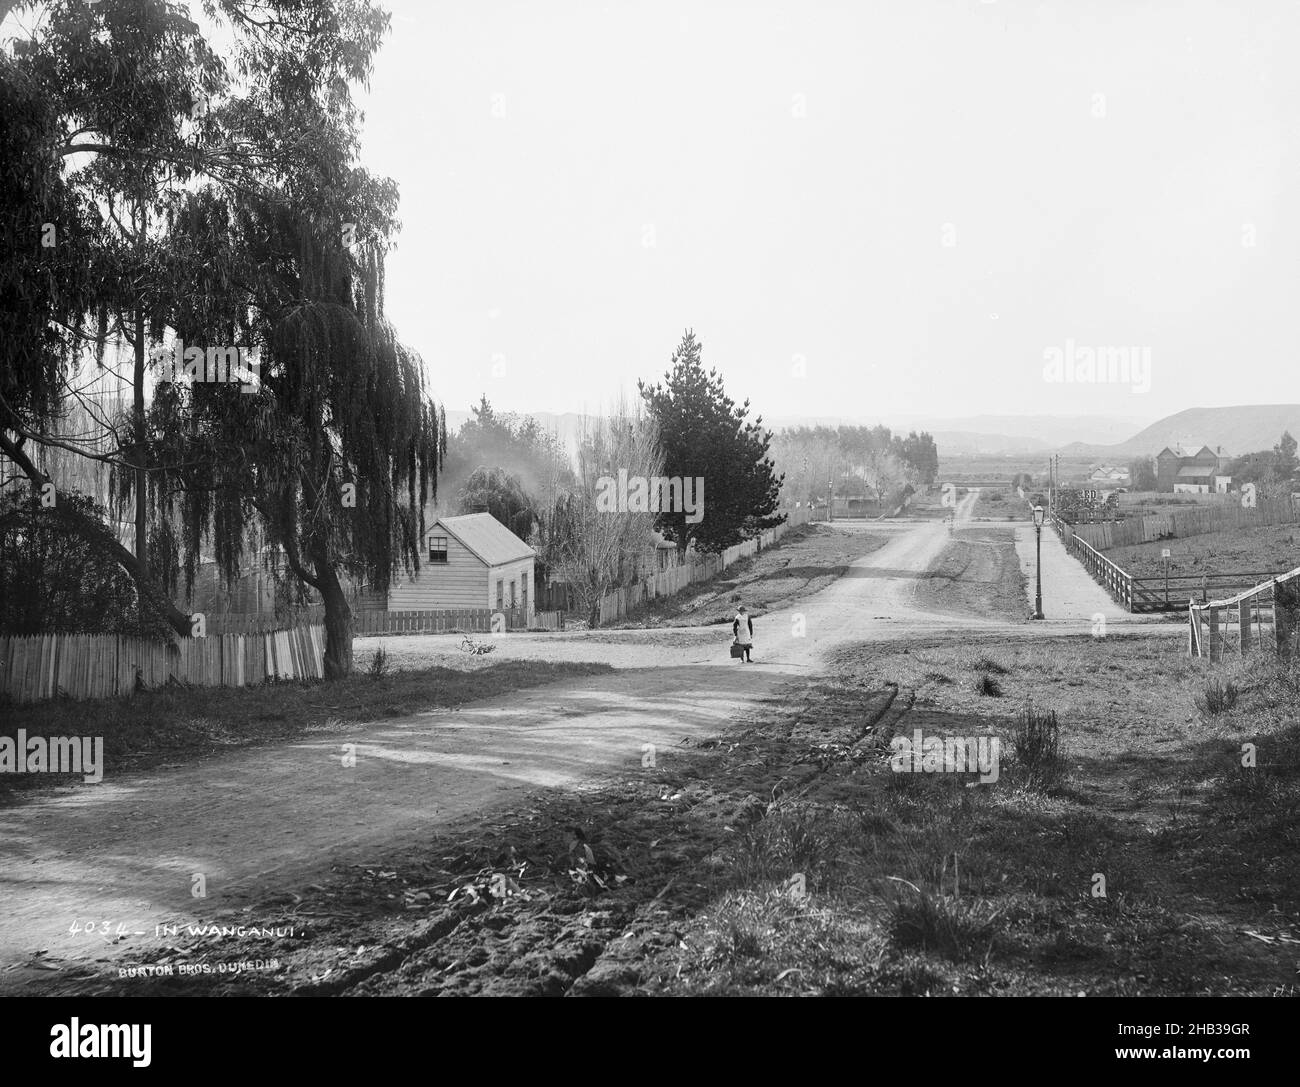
743,628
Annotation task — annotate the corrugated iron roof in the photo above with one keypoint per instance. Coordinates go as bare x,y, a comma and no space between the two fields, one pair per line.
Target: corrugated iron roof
487,538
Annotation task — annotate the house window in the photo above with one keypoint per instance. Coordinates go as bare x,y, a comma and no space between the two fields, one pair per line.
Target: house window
523,590
501,592
513,599
437,548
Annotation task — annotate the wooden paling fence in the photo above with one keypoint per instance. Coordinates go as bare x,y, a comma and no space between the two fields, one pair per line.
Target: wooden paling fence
1265,617
379,621
108,665
1194,522
617,604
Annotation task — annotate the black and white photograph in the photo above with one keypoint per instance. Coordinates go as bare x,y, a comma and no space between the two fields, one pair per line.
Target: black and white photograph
643,499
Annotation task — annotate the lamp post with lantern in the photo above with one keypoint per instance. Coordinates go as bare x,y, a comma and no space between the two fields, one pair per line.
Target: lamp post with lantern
1039,517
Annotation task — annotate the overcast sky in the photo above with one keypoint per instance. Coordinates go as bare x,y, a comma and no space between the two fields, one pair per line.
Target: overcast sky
922,200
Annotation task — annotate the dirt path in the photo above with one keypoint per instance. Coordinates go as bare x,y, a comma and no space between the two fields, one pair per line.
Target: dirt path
128,852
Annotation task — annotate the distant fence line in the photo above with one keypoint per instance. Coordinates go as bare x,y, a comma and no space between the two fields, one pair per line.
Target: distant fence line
618,604
107,665
1193,522
1265,617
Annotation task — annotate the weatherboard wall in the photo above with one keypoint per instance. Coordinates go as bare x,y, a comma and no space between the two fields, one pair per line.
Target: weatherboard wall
519,572
457,583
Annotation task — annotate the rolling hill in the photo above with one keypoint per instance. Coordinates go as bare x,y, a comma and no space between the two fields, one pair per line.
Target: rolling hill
1243,429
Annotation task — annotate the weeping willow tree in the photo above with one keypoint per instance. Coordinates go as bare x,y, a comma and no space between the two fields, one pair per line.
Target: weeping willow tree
117,119
335,451
213,198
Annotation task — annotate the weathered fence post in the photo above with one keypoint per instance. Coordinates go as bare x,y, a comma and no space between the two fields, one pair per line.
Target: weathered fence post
1286,614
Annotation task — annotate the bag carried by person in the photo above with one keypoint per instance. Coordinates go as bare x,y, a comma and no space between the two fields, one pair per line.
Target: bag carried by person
736,650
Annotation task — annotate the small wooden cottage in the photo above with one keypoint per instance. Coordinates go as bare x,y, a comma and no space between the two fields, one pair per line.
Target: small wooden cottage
472,561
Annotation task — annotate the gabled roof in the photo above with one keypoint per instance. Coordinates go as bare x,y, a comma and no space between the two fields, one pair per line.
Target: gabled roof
486,537
1186,452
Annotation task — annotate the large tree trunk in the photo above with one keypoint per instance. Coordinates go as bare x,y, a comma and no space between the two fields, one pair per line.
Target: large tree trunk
338,624
138,453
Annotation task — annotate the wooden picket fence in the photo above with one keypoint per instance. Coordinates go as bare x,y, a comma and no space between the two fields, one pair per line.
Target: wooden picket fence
619,603
1193,522
1265,617
380,621
108,665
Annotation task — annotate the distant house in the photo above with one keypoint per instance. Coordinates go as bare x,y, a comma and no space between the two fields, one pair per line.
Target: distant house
472,561
1182,471
1108,473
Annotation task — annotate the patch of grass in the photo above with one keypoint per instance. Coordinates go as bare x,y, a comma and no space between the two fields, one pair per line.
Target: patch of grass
987,686
769,942
789,839
977,573
807,559
988,664
1037,740
962,930
1217,696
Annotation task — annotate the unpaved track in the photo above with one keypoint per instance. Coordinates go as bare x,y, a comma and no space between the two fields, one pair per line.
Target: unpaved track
269,818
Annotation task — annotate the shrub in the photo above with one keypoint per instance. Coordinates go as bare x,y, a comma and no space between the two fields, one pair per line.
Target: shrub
988,686
1217,697
1037,741
960,930
379,664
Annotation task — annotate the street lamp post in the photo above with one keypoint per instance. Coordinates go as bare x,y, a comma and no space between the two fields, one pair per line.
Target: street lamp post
1039,514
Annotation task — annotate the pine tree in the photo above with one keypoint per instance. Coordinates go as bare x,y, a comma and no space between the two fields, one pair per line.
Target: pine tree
705,435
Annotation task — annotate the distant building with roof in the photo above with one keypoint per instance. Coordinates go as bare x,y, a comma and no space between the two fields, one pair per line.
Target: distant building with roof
1109,473
1180,470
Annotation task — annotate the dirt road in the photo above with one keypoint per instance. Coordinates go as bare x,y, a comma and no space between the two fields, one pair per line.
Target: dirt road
128,855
